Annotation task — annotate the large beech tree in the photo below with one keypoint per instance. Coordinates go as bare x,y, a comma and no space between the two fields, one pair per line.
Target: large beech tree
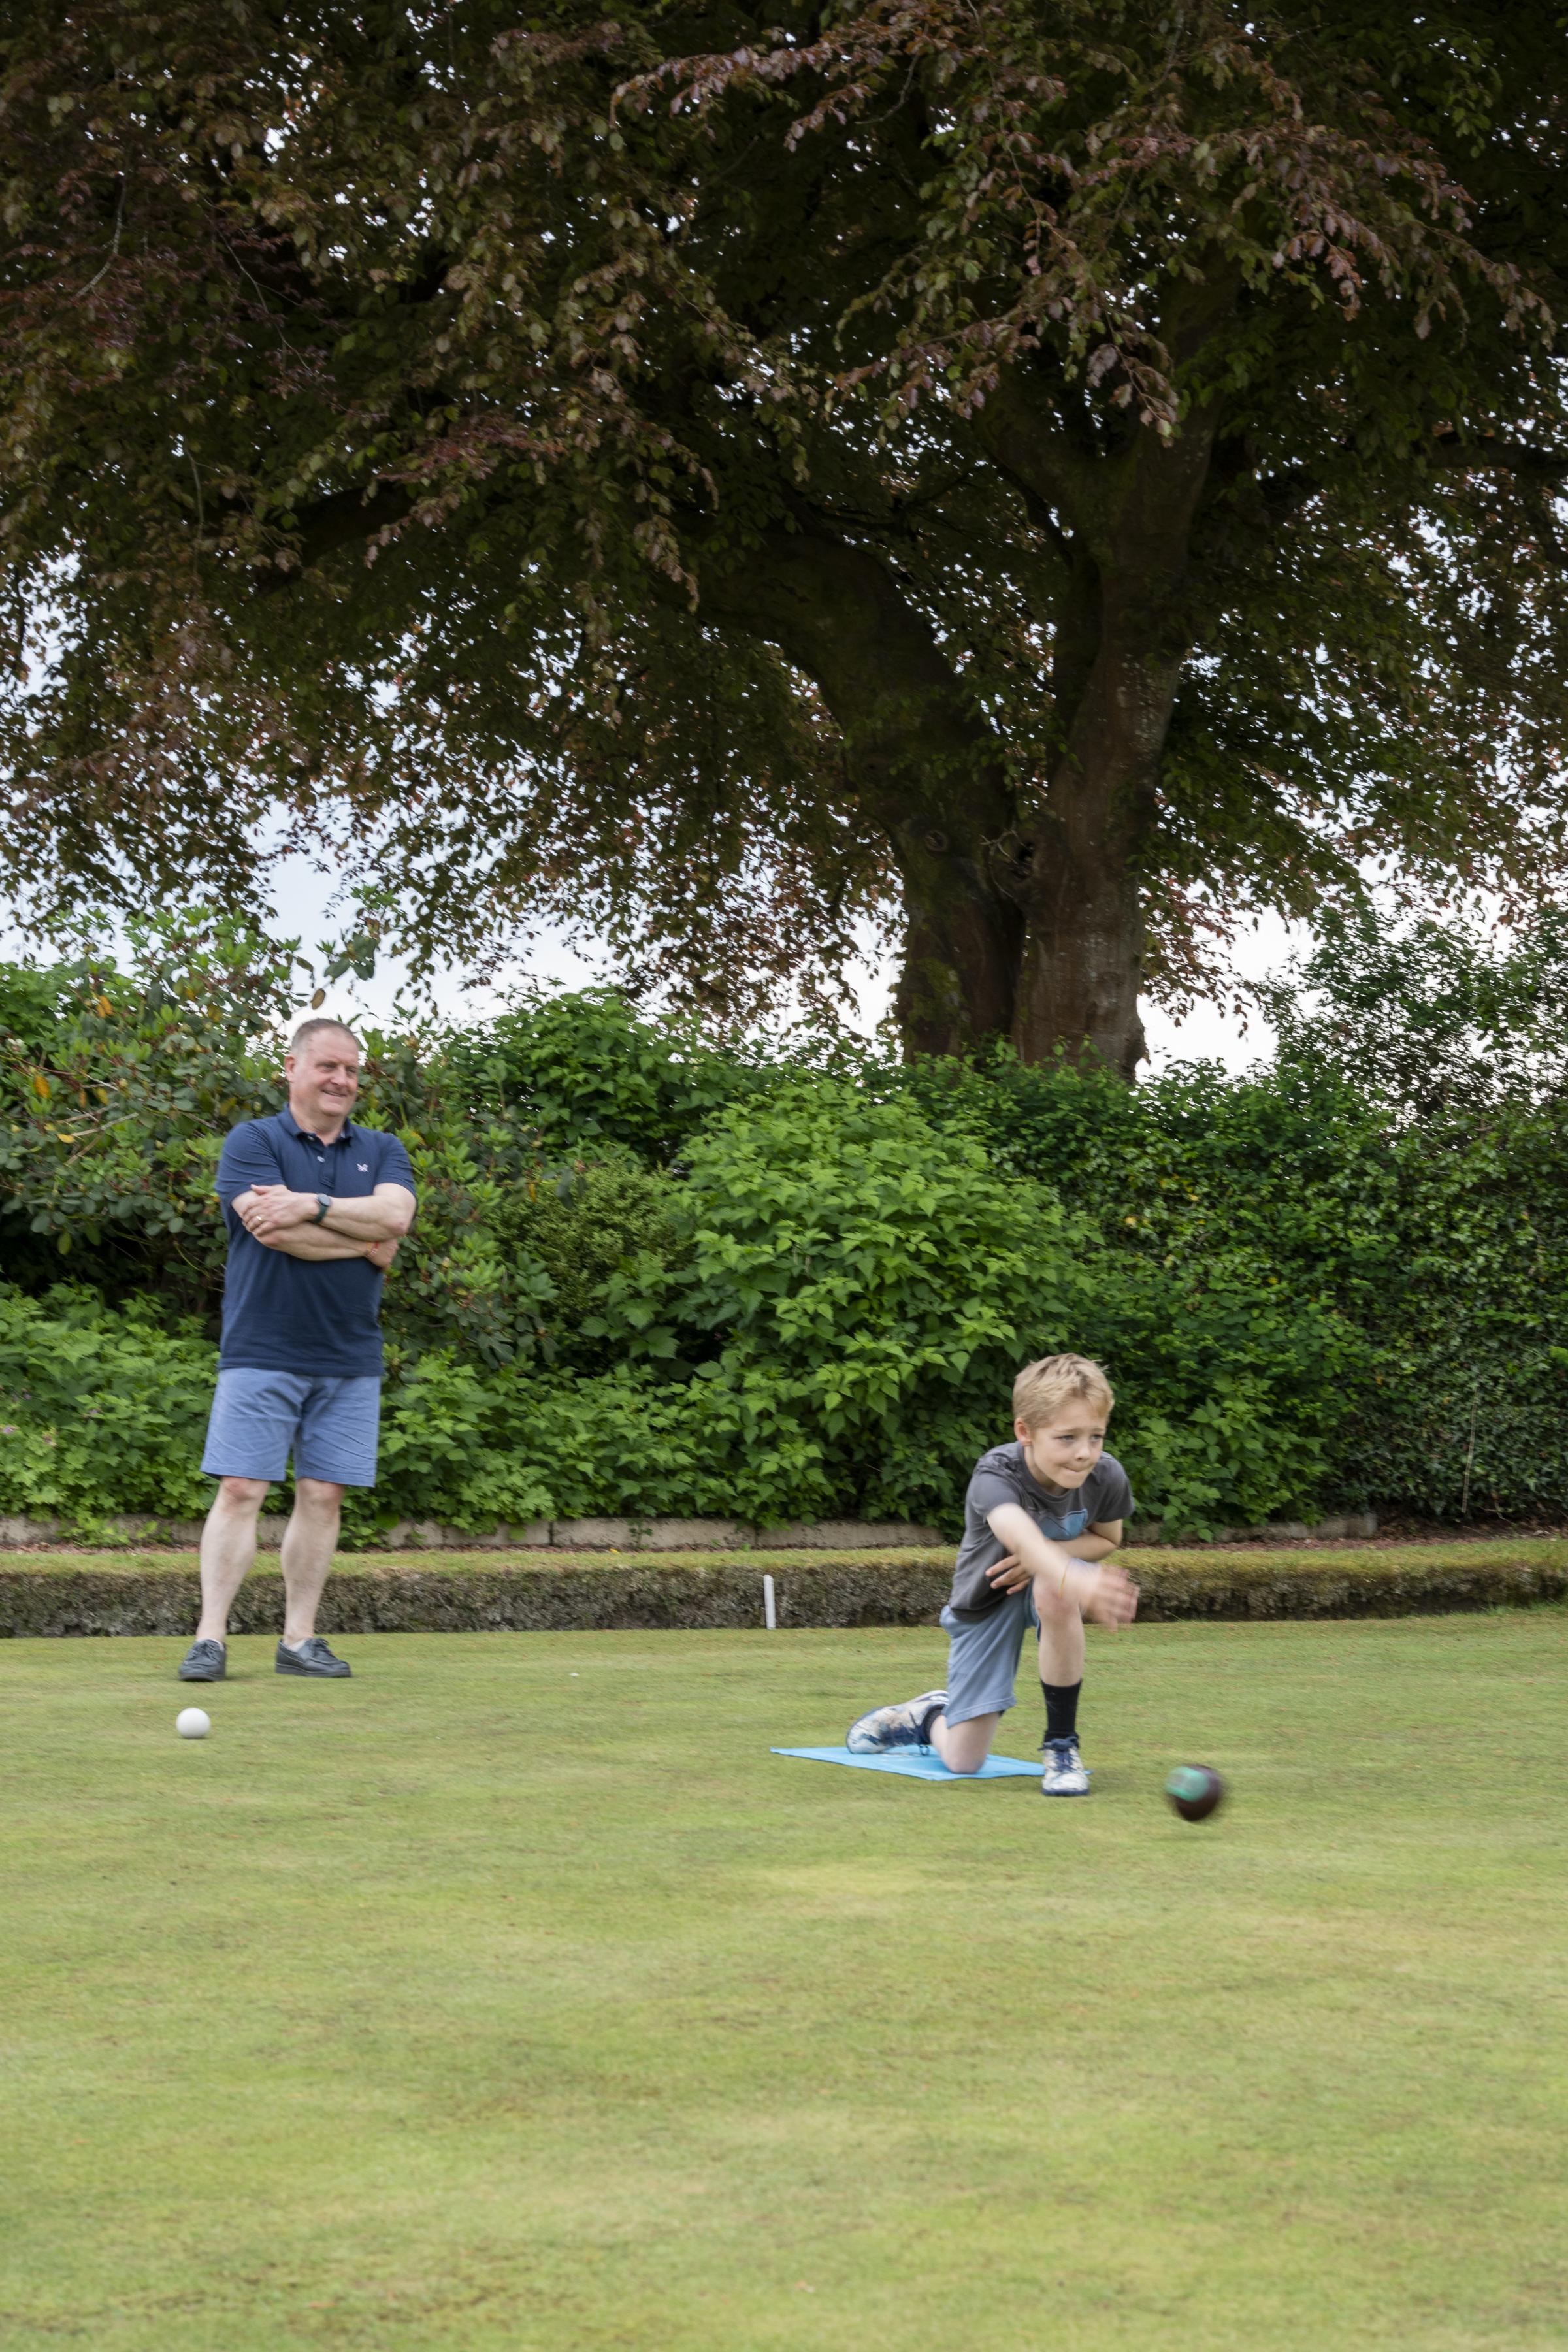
1054,476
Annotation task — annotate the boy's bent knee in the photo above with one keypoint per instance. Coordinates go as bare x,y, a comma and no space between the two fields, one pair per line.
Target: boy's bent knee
964,1756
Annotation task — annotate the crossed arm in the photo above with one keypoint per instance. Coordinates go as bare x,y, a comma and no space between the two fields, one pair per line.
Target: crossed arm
1105,1593
369,1226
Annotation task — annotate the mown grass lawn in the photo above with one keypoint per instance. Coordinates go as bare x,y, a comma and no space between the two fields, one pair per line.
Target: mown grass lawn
514,1996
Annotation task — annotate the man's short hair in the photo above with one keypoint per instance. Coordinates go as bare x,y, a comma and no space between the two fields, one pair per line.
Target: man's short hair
309,1029
1040,1388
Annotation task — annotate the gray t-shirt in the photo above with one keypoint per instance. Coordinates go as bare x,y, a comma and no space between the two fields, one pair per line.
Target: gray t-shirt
1060,1513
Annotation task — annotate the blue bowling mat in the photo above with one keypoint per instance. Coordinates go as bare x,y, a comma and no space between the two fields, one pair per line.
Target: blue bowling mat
917,1764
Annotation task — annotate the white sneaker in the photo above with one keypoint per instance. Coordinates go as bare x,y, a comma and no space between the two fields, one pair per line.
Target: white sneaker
1064,1774
887,1727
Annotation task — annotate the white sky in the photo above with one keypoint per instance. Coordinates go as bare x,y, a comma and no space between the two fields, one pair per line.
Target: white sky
301,909
302,897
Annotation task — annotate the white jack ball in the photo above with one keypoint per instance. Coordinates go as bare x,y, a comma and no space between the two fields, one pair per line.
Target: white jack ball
193,1723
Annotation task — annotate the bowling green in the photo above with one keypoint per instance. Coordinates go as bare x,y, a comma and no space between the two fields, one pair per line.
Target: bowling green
514,1997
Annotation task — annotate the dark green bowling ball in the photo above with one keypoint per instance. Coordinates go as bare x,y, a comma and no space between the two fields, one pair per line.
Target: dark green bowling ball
1194,1790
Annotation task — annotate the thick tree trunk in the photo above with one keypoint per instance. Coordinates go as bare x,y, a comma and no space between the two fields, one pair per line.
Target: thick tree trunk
923,761
1083,961
1124,632
1023,925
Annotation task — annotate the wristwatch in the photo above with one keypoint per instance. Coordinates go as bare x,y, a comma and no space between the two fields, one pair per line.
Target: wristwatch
323,1203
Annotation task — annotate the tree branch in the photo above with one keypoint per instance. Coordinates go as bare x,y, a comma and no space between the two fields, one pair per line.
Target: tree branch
1550,535
338,520
1511,457
1040,515
1022,435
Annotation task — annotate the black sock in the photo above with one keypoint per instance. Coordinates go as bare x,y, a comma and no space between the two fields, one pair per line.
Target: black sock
927,1719
1061,1710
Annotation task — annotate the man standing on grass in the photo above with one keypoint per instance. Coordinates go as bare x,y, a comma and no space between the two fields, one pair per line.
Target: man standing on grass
314,1207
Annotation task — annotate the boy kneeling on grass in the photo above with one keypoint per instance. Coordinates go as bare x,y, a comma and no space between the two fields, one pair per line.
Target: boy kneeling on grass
1039,1519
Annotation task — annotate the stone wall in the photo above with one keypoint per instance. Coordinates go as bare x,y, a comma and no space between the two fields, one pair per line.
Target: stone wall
645,1534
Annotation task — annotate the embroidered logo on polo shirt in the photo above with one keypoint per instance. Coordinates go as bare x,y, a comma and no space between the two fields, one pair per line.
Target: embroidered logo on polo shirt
364,1166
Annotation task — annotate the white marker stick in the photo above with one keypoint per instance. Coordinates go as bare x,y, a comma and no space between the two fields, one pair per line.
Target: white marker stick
770,1614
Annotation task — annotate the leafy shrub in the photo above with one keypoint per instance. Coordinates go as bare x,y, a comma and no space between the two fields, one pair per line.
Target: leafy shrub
585,1233
584,1070
652,1276
852,1272
100,1411
1433,1017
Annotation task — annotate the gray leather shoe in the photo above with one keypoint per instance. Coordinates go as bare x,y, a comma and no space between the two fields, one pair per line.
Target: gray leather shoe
313,1657
203,1662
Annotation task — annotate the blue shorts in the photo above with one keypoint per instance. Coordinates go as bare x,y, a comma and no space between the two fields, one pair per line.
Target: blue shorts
983,1658
259,1418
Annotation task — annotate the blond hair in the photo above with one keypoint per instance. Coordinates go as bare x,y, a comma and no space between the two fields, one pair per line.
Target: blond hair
1054,1380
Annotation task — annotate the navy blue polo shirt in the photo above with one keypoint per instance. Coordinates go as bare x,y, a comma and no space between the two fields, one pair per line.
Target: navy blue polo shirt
283,1314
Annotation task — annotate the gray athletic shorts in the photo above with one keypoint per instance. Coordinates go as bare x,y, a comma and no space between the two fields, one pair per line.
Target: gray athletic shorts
259,1418
983,1658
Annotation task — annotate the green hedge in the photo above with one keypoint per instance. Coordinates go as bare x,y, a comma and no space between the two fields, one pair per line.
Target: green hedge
654,1275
